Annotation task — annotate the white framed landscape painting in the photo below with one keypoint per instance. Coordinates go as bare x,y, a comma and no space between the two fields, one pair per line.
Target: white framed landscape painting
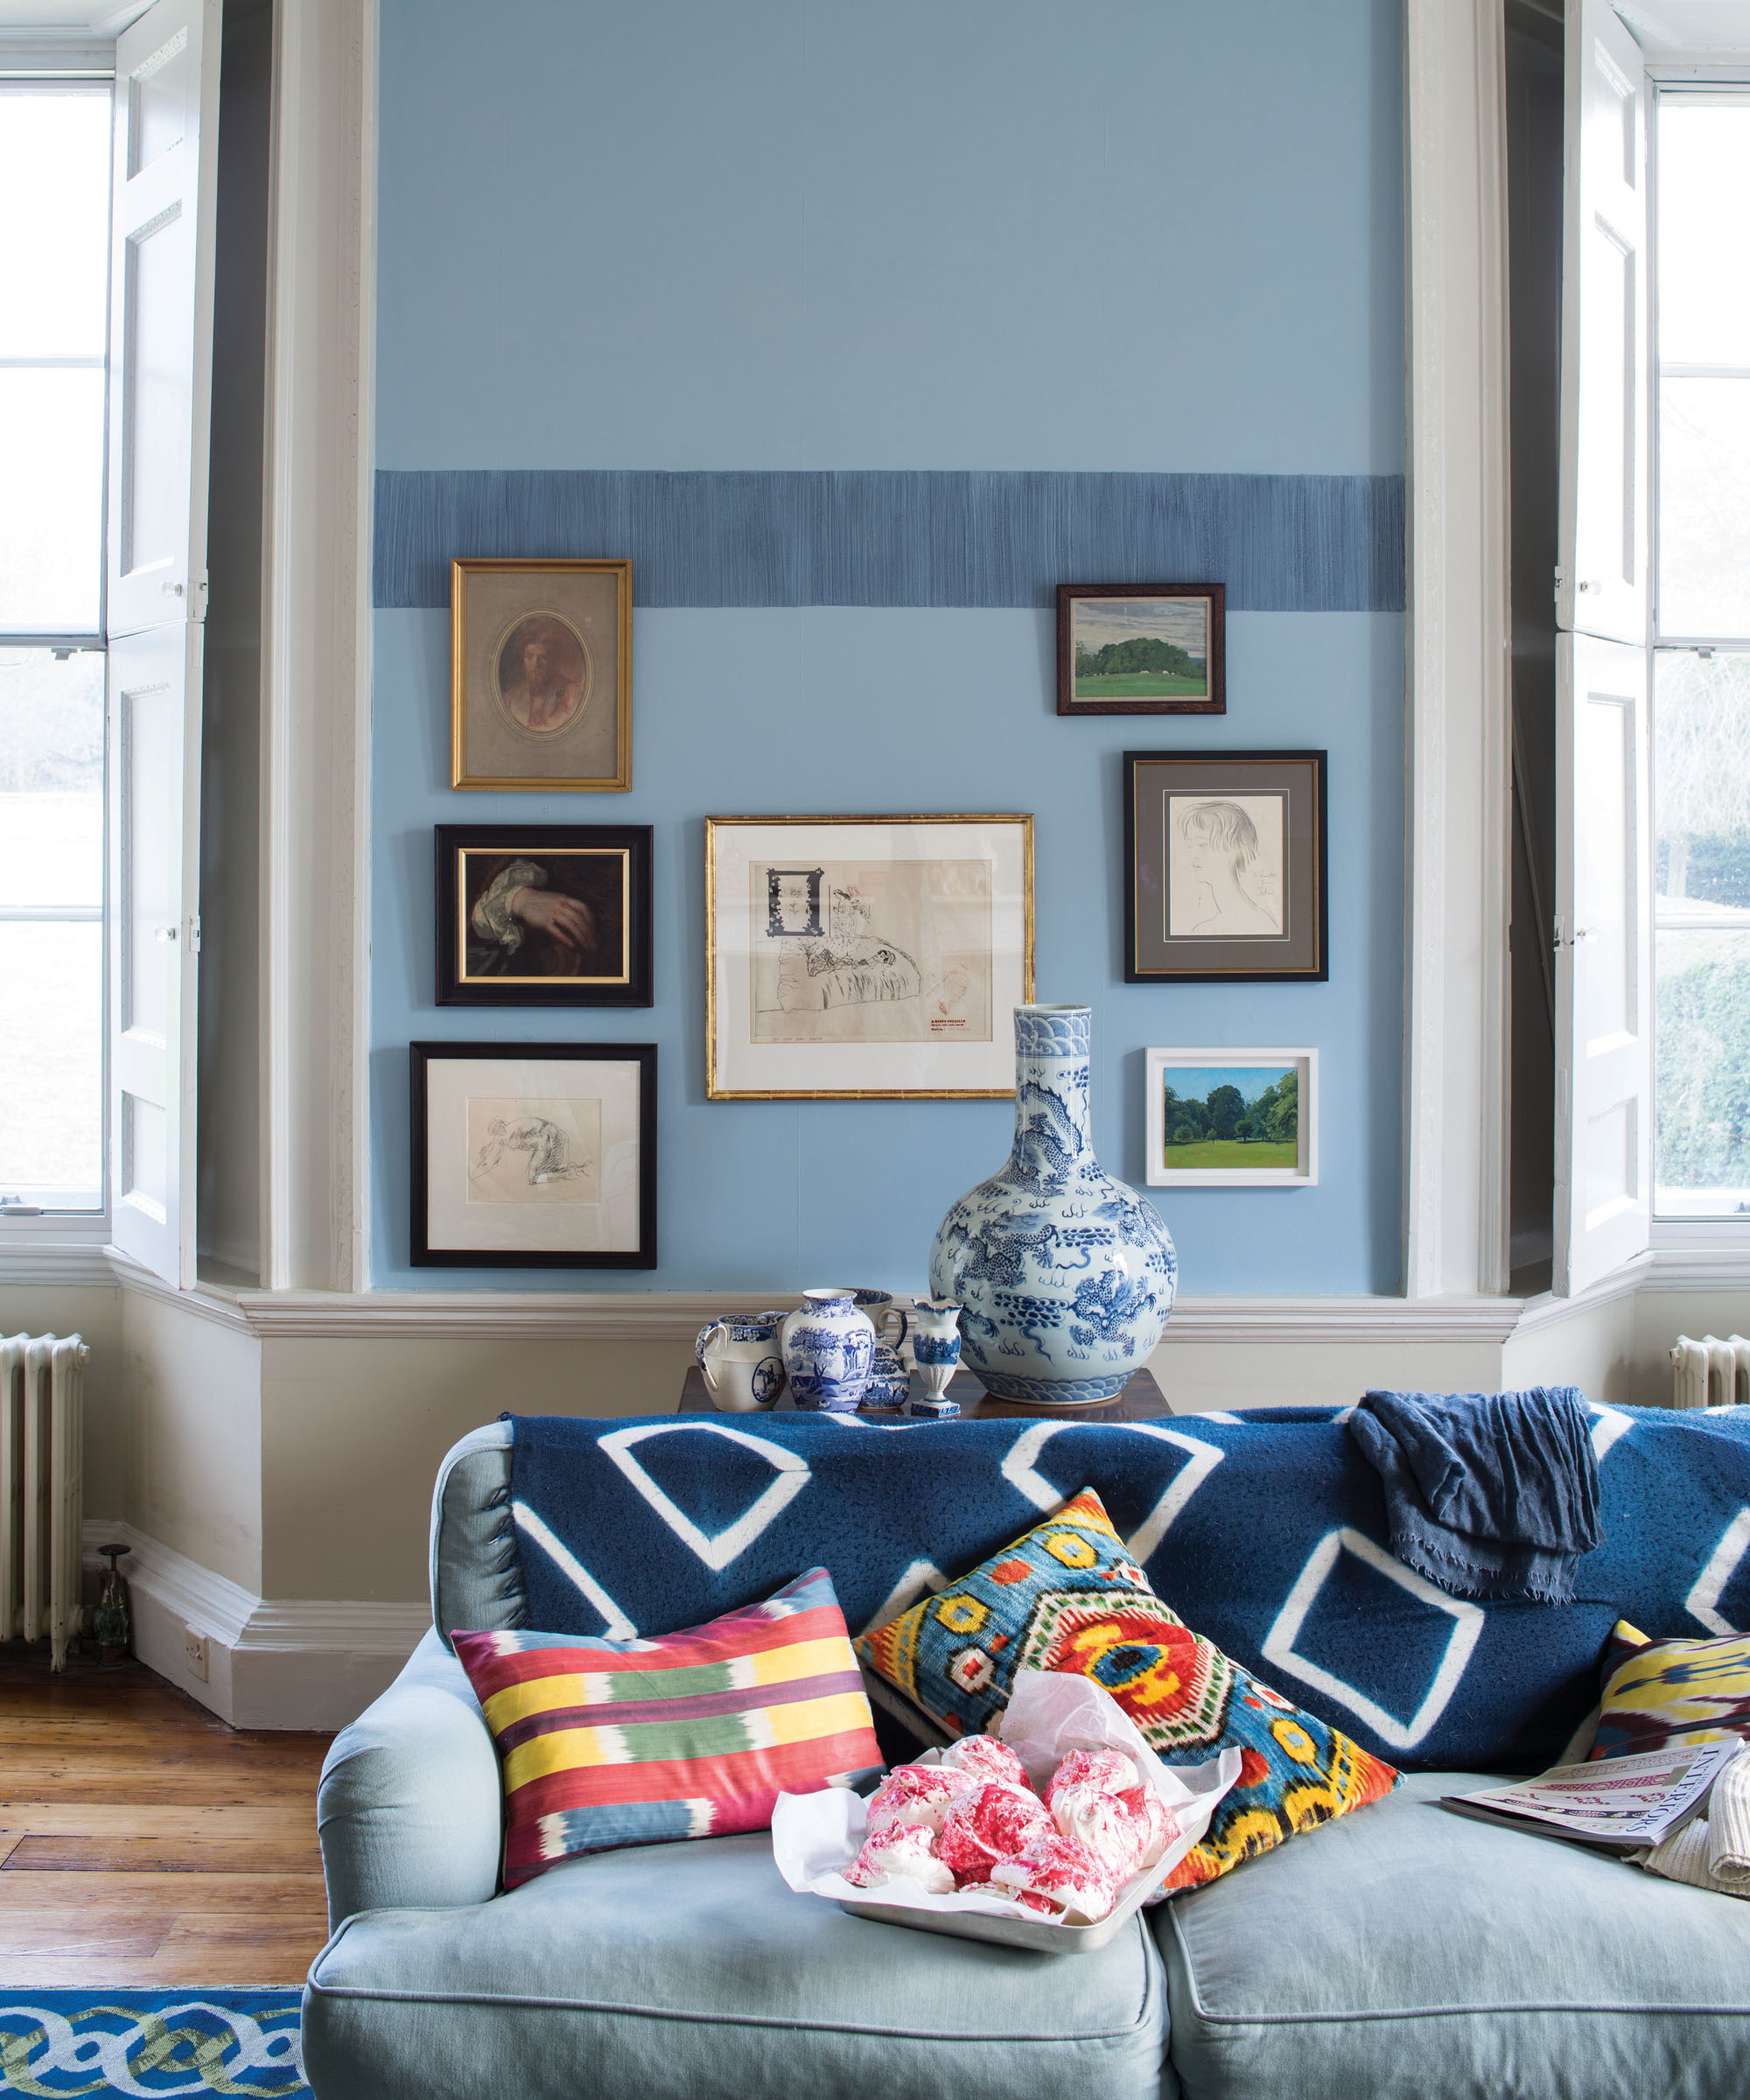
1233,1119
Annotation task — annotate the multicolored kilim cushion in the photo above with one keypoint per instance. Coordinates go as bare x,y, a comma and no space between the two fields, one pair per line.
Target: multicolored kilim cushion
604,1743
1661,1692
1068,1596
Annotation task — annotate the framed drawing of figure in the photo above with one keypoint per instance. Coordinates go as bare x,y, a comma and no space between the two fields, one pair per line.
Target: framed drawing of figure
1225,852
534,1155
543,916
541,675
865,958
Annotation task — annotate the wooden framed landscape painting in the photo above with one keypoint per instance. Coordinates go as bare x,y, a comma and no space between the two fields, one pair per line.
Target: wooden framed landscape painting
543,916
534,1155
1142,649
1233,1119
541,675
1226,858
857,958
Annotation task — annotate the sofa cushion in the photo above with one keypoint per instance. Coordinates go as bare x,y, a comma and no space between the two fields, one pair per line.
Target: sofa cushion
1660,1692
690,1971
1412,1954
1066,1596
690,1734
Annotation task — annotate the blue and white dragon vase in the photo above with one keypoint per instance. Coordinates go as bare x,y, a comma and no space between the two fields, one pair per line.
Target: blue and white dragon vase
1066,1277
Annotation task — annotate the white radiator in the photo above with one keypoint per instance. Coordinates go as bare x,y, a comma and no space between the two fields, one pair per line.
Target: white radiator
42,1426
1711,1373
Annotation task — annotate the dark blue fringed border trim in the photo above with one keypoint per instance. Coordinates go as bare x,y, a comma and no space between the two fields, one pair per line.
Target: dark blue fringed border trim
1280,543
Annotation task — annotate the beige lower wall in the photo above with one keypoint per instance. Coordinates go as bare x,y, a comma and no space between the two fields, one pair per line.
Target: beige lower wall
192,1392
353,1431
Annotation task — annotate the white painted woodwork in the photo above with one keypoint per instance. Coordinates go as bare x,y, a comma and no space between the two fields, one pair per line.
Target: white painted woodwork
154,814
316,651
165,177
1604,961
1459,784
160,375
1603,524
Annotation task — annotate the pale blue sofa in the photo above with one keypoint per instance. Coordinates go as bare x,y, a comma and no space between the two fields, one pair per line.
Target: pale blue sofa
1401,1953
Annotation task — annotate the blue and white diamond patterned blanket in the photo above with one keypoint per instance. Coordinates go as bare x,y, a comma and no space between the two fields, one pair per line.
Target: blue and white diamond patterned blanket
1265,1531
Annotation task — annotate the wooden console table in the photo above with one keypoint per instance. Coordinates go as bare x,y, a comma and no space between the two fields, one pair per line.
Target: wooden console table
1142,1400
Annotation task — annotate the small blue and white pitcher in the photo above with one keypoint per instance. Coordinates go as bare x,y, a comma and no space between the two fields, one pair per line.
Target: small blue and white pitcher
935,1342
740,1361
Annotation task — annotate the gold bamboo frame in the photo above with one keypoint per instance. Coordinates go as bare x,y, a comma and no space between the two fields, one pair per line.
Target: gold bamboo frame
714,1092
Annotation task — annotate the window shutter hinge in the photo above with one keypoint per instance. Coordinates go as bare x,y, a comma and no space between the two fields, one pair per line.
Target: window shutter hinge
194,933
1556,592
197,610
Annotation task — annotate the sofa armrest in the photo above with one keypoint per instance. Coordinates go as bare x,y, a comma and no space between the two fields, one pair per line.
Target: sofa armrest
410,1805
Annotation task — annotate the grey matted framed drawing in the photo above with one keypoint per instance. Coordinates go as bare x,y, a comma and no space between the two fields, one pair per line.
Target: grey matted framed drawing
1225,857
865,958
541,675
1232,1118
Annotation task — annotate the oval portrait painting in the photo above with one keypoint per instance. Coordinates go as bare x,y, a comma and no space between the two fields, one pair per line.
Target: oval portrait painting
543,674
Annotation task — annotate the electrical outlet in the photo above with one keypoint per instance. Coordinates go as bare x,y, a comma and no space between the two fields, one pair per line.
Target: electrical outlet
194,1654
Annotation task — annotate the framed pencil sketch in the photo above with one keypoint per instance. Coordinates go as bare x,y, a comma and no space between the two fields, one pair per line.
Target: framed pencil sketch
541,675
1142,649
534,1155
1233,1119
865,958
1225,855
543,916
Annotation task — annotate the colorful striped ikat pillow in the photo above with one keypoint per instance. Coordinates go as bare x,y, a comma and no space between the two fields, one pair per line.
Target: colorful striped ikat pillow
695,1735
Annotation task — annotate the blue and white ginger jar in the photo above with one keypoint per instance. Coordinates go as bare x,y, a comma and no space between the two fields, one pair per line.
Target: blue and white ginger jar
1066,1277
828,1351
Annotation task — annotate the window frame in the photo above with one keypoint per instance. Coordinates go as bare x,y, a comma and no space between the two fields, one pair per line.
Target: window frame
47,65
1698,1229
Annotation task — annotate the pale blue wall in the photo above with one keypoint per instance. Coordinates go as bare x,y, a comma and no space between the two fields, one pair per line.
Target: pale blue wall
1146,236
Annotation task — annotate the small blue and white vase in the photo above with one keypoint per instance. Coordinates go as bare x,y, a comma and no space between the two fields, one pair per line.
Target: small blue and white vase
829,1349
936,1343
1065,1276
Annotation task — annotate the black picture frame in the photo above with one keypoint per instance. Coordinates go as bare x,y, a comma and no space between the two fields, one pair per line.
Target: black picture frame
424,1056
1199,861
1214,700
605,867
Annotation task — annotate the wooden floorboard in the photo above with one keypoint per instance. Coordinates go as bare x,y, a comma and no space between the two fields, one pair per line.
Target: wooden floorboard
142,1843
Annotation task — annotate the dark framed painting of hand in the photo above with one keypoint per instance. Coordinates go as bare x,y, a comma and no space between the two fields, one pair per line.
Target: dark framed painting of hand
543,916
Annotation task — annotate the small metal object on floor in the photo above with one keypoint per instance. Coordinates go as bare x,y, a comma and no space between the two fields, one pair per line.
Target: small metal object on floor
1142,1400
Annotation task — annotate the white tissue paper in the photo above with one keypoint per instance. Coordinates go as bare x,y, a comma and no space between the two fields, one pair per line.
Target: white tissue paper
815,1836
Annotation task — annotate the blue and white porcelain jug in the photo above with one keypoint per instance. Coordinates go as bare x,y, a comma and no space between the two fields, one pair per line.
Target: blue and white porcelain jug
1065,1276
828,1347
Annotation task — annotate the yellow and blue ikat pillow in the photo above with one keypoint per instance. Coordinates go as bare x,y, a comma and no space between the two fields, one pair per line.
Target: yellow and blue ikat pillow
1066,1596
1658,1694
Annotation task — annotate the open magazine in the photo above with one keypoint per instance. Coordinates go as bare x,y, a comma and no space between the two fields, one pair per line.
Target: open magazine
1620,1803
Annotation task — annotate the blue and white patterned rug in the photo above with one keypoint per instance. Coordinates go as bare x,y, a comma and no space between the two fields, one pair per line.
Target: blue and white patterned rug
56,2043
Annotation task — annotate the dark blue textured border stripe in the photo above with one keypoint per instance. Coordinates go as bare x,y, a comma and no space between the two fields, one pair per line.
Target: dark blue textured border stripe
1280,543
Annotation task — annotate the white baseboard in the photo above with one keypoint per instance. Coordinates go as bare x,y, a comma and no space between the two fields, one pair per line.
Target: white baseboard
310,1663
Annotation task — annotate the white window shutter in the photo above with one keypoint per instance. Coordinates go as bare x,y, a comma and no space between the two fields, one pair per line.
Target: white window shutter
1602,573
1604,961
160,386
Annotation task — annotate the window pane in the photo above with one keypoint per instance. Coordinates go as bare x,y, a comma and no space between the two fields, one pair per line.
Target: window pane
1705,507
54,237
51,501
1703,317
1701,866
52,968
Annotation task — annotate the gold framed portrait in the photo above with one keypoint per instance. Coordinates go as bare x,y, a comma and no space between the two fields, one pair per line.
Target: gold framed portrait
541,675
